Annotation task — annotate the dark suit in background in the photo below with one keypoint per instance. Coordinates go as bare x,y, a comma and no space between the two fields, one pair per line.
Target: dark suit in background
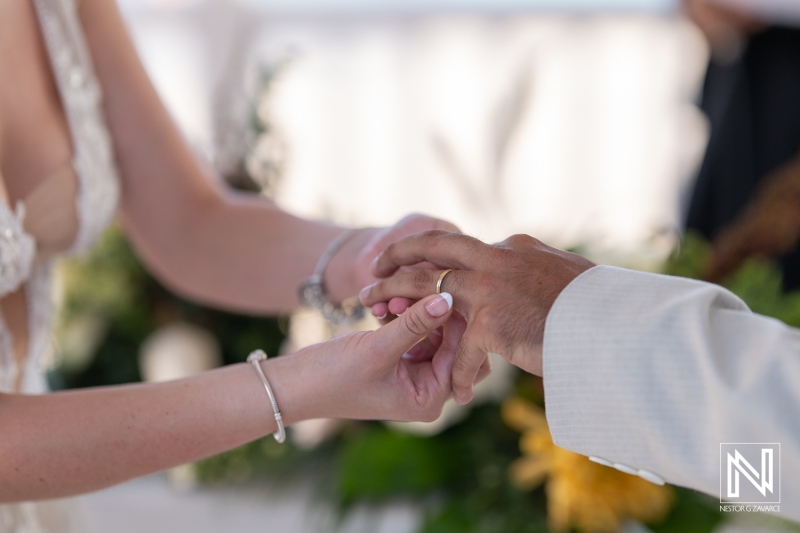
753,105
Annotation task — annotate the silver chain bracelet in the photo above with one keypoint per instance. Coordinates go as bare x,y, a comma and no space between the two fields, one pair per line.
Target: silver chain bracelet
313,292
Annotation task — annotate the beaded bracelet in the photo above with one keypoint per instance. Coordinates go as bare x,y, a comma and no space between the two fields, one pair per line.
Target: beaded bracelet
313,292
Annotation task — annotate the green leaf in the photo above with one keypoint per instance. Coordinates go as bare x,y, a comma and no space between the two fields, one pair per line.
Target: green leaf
693,513
380,463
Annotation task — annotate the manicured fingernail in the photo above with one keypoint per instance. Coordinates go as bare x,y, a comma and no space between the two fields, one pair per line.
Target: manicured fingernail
440,305
449,297
384,315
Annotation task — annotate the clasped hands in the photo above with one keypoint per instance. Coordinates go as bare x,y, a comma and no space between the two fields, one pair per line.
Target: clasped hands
502,294
431,347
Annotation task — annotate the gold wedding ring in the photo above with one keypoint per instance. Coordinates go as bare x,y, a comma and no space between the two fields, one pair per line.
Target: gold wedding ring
441,279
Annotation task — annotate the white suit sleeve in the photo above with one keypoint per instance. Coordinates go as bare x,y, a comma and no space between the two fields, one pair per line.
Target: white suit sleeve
653,372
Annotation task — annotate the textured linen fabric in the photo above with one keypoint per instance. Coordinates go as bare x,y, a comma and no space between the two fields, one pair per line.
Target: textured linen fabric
656,371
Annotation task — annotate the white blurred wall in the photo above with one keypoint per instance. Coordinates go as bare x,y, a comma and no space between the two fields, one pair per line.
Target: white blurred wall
578,129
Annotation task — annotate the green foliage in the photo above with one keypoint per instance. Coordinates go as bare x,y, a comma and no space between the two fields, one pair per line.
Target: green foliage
380,463
482,499
264,458
458,476
758,283
693,513
108,281
111,290
691,257
504,509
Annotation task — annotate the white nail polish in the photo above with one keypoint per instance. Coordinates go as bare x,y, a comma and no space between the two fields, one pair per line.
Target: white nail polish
449,298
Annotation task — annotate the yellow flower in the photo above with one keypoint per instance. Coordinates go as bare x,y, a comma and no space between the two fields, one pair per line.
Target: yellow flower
580,494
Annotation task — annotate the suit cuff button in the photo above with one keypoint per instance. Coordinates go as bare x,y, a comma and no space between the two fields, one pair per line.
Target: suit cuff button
625,468
651,477
600,460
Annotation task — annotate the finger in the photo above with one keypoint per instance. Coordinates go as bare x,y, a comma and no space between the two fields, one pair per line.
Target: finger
425,265
469,359
398,306
397,337
416,285
379,310
485,370
443,248
443,359
426,348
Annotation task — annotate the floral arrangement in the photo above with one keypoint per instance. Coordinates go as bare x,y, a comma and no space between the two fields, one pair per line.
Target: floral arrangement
580,493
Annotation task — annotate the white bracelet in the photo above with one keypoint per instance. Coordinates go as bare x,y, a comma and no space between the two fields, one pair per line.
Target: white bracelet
255,358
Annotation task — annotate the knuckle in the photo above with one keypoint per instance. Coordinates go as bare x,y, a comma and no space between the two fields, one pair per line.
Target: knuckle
484,323
461,369
435,232
440,239
445,239
422,280
411,217
415,323
522,241
503,253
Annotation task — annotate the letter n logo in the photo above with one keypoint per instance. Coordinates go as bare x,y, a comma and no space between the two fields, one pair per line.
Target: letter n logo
750,472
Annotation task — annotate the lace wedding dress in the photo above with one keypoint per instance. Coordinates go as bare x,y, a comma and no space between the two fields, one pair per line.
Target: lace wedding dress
96,203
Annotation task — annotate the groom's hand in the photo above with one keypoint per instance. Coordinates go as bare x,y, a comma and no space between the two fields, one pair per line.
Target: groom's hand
351,268
504,291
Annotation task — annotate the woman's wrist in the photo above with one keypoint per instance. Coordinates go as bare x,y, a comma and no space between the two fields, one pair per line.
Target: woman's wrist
344,274
293,379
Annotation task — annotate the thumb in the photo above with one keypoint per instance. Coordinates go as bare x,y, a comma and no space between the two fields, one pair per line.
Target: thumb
397,337
469,360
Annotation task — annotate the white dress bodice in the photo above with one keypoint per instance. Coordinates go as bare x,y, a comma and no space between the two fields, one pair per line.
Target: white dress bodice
96,202
98,189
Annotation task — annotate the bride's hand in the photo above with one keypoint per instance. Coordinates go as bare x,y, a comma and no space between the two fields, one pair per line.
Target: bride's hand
351,268
371,375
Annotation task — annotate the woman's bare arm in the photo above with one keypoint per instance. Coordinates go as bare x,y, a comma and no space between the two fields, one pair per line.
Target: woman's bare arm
78,441
232,250
72,442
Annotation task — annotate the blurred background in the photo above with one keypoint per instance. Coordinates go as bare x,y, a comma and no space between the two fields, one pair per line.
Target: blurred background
573,120
576,121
